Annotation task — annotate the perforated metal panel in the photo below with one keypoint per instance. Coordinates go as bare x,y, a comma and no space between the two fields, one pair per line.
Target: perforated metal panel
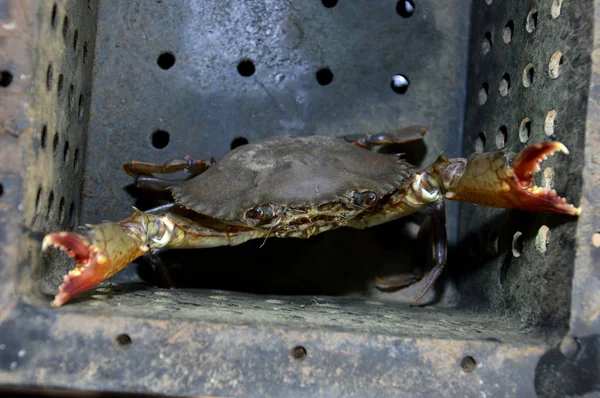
87,85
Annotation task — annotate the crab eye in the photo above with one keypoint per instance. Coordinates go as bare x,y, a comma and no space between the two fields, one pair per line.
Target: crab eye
261,212
371,198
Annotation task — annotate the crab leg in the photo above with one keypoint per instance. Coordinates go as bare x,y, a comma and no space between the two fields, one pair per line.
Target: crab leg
107,248
435,221
136,169
369,140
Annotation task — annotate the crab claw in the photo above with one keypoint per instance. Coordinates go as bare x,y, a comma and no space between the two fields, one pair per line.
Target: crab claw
505,180
108,248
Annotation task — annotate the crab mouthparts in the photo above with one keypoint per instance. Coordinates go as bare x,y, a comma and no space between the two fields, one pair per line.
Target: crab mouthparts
526,164
89,264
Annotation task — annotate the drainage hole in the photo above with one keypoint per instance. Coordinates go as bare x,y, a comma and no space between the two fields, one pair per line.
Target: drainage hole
50,202
324,76
160,139
468,364
66,151
483,93
238,141
507,33
76,158
524,130
6,78
44,136
80,107
246,68
38,195
59,86
55,142
123,340
517,244
53,16
528,73
65,28
49,76
550,122
299,352
61,209
85,52
166,60
555,9
532,19
556,61
486,44
400,84
480,142
405,8
501,136
75,39
504,85
329,3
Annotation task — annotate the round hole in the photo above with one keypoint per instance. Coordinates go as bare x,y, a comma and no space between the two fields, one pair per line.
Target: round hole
541,239
483,93
238,141
405,8
49,77
486,43
501,136
504,85
66,151
76,158
400,84
123,340
85,52
468,364
246,68
524,130
160,139
38,196
65,28
44,136
6,78
517,244
71,215
55,142
324,76
531,22
53,16
548,178
50,202
166,60
329,3
60,83
1,190
61,209
556,61
480,142
596,239
507,32
528,73
555,9
550,122
299,352
80,107
75,39
71,95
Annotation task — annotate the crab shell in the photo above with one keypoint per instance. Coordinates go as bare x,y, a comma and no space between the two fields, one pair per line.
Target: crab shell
290,172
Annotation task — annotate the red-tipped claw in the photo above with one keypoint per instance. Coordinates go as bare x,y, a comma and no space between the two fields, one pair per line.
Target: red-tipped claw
108,249
502,179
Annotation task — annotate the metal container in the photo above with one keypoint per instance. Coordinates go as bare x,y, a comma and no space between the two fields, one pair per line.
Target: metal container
87,85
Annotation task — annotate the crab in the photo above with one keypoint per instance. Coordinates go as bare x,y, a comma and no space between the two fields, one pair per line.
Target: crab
298,187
